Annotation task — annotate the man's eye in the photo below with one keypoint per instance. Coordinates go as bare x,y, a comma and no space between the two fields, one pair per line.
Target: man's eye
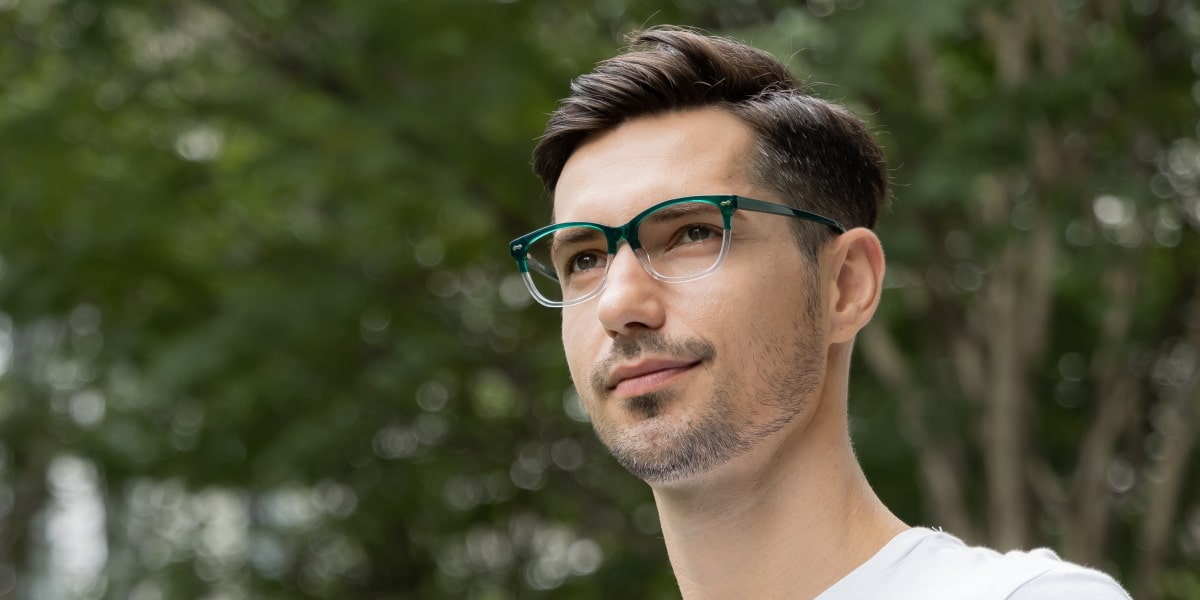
697,233
694,234
585,261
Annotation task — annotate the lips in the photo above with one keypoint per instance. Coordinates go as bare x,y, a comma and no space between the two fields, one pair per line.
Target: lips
646,375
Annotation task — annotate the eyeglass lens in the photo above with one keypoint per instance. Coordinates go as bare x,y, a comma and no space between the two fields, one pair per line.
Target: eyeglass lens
677,241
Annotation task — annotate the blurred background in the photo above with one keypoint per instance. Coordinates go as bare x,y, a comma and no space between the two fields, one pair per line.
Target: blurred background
260,336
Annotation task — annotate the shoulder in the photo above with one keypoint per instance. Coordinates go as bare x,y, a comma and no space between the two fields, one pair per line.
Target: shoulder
931,565
1016,575
1068,580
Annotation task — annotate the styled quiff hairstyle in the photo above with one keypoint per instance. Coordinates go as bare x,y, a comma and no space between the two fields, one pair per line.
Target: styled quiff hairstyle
816,155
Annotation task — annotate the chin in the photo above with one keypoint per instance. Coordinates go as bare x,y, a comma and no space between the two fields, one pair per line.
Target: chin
665,449
646,407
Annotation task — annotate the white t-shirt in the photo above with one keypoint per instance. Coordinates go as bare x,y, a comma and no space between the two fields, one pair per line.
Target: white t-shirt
922,564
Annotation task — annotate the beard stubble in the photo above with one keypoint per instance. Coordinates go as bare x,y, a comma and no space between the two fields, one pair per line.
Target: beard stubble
659,449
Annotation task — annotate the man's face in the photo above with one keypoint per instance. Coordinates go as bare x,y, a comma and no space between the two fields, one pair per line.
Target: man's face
679,378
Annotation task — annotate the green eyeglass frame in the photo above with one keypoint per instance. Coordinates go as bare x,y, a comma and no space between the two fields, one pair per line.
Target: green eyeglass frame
728,204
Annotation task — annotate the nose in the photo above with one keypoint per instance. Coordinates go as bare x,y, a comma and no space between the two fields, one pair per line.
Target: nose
631,299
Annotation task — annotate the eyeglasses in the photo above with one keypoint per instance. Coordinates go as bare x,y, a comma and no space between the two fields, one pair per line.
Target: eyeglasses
676,241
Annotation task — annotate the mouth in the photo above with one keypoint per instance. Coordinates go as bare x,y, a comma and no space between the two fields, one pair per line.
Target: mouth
647,376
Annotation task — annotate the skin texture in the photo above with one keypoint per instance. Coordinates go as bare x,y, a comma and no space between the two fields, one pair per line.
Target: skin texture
737,414
743,338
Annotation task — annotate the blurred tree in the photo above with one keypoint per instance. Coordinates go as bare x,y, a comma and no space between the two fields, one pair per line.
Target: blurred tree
260,327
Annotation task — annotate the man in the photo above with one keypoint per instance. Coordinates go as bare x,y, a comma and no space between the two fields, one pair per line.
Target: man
713,260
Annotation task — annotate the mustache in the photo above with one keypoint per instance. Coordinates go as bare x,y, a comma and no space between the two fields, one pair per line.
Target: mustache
627,348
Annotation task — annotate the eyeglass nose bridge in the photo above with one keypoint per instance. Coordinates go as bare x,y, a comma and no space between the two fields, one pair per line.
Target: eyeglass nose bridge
629,234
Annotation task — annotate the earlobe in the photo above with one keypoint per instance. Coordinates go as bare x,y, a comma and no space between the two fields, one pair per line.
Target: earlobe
857,279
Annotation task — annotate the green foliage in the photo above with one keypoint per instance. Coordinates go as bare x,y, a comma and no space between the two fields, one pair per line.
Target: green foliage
256,298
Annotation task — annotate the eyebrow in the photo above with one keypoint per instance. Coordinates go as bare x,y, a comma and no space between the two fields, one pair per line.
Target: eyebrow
573,235
677,210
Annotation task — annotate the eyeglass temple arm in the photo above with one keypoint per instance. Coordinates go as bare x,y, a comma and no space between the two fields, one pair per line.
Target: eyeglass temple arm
787,211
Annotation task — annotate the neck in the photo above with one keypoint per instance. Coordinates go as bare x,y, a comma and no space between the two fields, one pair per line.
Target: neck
794,517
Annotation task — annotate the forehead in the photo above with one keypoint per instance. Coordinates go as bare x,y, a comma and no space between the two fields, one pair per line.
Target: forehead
616,174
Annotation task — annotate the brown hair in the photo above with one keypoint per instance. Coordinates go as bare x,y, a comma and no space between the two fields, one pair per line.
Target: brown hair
817,155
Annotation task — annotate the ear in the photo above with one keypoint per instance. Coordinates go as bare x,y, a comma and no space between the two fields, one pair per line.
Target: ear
856,265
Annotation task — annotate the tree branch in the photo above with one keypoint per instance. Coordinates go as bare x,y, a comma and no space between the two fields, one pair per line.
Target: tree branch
1117,401
940,477
1176,423
1004,422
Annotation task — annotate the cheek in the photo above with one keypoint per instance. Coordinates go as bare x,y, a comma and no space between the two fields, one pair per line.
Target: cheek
758,305
734,297
698,309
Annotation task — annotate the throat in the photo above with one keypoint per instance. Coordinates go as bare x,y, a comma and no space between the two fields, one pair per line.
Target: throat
790,534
